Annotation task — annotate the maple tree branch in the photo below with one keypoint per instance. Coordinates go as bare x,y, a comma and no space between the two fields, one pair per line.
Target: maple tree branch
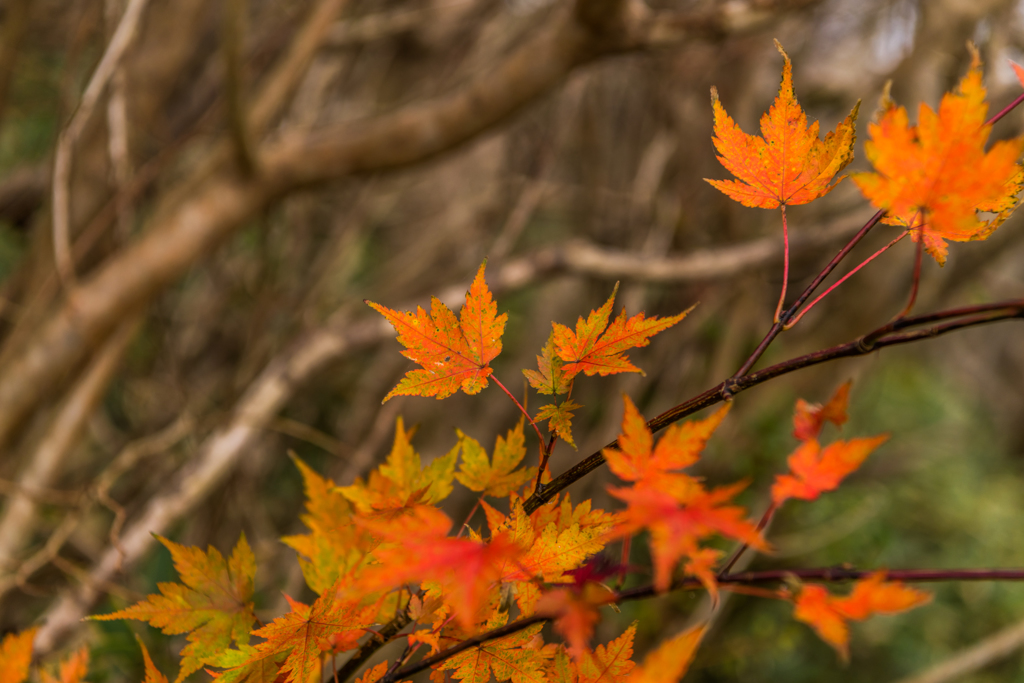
778,327
819,574
960,318
370,647
793,321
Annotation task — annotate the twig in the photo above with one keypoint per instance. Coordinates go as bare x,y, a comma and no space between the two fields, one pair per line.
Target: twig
234,25
963,318
116,48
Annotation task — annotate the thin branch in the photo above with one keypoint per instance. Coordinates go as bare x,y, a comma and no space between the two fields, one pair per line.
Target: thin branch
233,48
122,39
824,574
999,645
967,317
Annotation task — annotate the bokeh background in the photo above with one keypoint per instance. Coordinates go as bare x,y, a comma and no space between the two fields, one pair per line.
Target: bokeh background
178,416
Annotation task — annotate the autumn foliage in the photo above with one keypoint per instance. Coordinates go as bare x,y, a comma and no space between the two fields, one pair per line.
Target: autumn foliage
468,599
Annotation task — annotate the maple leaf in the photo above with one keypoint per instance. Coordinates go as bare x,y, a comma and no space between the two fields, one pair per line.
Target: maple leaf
816,470
638,460
575,613
153,674
307,630
466,569
609,663
669,662
789,164
213,602
550,378
247,665
16,656
677,528
828,614
72,670
499,477
374,674
934,178
454,353
809,418
559,419
334,544
402,480
595,350
509,658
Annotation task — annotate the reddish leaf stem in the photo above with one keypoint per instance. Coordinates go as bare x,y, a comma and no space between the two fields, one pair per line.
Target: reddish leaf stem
777,327
840,281
523,411
1006,110
917,267
765,518
785,265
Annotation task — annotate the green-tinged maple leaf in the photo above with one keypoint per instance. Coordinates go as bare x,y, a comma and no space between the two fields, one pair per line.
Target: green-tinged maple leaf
559,419
453,353
16,656
334,545
499,477
71,670
332,622
213,602
549,378
247,665
669,661
403,480
637,459
509,658
597,348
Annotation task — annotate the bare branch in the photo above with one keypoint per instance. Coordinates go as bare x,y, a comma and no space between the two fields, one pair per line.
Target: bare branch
119,44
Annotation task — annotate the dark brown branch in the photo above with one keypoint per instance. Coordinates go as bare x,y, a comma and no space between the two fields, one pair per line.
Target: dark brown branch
961,318
820,574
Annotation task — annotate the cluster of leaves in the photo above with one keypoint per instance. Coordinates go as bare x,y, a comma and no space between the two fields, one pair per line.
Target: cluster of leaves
382,551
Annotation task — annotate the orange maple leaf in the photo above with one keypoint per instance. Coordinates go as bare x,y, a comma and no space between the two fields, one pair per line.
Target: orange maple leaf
72,670
213,602
637,459
153,674
466,569
669,662
510,658
549,378
809,418
816,470
16,656
454,353
609,663
332,622
575,613
828,614
789,165
559,419
595,350
934,178
677,528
